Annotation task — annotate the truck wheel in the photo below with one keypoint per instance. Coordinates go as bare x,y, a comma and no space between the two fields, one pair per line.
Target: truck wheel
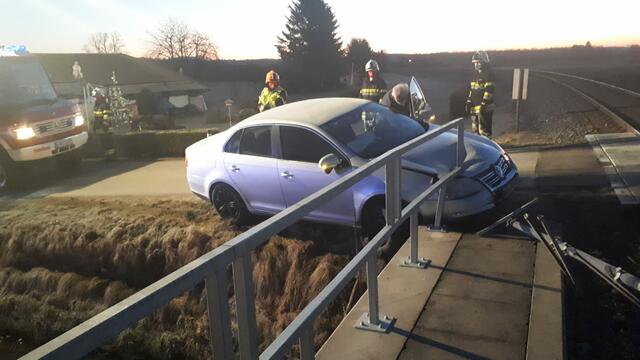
70,161
8,175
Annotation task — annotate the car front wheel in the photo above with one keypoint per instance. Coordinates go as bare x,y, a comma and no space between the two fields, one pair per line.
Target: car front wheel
229,204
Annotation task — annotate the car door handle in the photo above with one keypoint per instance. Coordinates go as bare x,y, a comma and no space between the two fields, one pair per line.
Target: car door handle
235,168
286,175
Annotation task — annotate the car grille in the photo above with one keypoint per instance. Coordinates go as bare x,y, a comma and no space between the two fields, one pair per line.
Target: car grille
53,126
494,175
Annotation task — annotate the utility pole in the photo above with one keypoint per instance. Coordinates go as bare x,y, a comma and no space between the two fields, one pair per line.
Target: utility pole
520,88
228,103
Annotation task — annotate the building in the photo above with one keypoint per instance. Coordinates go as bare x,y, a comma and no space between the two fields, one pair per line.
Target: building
174,90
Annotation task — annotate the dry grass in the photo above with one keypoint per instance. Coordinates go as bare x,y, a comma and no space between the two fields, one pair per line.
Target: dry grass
64,260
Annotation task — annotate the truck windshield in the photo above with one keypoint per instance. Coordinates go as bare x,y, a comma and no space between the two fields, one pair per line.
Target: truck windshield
23,81
372,129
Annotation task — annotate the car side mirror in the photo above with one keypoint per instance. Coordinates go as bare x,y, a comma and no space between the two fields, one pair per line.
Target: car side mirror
329,162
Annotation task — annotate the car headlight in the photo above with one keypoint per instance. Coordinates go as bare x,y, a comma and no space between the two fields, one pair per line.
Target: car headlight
78,120
24,133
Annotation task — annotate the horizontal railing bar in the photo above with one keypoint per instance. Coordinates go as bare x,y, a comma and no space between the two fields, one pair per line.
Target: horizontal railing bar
103,327
106,325
285,340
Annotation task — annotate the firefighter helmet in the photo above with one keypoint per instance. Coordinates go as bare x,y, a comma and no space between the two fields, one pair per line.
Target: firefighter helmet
480,56
372,65
400,94
272,76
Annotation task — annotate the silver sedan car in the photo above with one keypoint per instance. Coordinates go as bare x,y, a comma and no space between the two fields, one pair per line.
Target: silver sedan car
271,161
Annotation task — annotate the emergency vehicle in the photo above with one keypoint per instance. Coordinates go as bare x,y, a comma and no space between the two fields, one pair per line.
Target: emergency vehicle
35,124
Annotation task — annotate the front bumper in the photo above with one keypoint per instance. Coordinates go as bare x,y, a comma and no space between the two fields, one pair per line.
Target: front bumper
49,149
480,202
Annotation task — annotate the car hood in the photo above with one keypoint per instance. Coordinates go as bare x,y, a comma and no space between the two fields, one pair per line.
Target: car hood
438,155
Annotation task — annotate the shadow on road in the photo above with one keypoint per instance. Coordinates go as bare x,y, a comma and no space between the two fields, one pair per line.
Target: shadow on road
45,180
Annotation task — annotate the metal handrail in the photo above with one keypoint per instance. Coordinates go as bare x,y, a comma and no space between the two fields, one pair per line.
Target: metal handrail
212,266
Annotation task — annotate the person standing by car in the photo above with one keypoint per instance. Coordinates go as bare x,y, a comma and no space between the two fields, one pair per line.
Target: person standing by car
397,100
373,86
480,100
273,94
102,126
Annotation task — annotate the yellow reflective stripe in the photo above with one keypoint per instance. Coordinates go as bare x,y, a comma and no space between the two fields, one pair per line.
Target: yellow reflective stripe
487,95
488,83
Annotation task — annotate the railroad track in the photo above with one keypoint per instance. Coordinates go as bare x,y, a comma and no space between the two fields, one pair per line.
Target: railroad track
620,104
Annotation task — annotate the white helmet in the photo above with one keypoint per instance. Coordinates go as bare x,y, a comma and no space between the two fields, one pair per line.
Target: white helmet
400,94
372,65
480,56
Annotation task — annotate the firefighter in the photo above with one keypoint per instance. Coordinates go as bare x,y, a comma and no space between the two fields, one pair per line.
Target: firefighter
273,94
480,101
373,86
397,100
102,121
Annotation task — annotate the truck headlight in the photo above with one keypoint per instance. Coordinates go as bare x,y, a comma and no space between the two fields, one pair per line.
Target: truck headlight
78,120
24,133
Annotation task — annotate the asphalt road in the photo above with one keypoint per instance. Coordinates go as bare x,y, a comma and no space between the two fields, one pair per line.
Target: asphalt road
96,178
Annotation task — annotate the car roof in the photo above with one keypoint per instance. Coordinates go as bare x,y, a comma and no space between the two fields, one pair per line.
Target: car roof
312,112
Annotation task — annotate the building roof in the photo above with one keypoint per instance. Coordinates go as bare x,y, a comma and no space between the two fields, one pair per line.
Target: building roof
313,112
133,74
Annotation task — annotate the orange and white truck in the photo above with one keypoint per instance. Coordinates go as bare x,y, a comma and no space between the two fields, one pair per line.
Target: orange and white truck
35,124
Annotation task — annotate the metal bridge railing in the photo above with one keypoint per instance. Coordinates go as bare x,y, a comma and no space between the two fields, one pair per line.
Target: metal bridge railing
211,268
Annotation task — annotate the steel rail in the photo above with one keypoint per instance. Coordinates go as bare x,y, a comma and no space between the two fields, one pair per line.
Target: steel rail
211,268
626,91
599,105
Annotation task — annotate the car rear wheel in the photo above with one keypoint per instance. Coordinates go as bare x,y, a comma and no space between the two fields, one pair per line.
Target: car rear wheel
229,204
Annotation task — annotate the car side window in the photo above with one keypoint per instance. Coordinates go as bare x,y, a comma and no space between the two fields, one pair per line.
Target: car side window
233,144
303,145
256,141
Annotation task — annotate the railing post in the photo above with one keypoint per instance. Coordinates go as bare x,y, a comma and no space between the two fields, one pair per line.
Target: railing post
219,319
372,320
413,260
437,223
392,190
245,304
461,151
307,347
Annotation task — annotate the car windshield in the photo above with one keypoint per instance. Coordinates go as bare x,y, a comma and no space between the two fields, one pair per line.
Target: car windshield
24,82
372,129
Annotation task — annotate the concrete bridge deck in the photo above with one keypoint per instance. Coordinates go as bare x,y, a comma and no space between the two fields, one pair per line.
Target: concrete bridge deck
480,298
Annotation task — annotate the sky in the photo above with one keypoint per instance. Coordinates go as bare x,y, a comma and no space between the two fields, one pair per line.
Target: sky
247,29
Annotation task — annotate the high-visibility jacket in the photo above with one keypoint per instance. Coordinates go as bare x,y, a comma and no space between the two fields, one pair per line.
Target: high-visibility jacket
373,90
481,91
271,98
102,117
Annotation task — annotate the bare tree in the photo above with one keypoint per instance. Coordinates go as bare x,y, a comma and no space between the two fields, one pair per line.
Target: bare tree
203,47
105,43
174,39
